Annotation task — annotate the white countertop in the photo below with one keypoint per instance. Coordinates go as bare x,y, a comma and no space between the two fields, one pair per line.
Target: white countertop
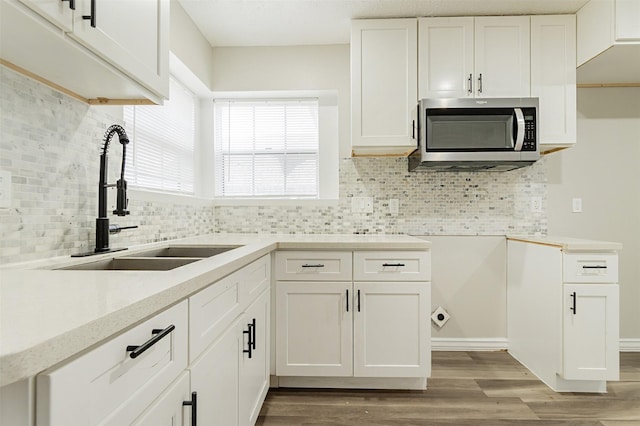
568,243
47,316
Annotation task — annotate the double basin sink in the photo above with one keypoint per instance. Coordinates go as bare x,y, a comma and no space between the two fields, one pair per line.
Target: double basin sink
160,259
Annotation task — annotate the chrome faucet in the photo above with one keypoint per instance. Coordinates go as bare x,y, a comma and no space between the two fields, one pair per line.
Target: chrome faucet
103,229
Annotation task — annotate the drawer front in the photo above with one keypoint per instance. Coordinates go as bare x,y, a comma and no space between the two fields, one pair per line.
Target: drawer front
257,277
212,310
107,386
590,268
313,266
391,266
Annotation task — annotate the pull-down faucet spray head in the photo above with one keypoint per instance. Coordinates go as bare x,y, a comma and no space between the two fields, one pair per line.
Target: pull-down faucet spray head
102,222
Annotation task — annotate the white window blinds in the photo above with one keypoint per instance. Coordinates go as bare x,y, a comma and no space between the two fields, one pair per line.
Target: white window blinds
161,155
266,148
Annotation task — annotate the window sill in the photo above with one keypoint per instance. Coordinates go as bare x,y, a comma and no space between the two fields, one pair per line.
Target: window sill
140,194
274,202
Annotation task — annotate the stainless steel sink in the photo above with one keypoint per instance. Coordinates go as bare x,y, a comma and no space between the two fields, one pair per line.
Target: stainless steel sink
185,251
134,264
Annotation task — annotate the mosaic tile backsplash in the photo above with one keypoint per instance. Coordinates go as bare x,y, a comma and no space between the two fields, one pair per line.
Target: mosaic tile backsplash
430,203
51,145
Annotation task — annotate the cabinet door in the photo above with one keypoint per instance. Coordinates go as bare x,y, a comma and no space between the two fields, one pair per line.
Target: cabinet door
391,329
58,12
591,334
502,57
132,35
553,78
254,371
384,83
313,329
215,378
445,57
168,410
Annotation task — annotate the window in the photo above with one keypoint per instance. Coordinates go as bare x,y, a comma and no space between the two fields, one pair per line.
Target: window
162,143
266,148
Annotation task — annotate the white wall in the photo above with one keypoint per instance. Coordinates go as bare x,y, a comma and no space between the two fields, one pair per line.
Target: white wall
189,45
604,170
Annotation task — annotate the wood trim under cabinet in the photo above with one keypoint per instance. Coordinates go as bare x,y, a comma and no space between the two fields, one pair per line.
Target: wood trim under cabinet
380,155
58,88
598,85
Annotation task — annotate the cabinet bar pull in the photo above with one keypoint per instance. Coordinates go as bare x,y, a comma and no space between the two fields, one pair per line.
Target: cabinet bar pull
358,300
347,300
72,4
574,297
470,81
319,265
392,264
593,267
249,343
253,333
194,408
480,83
136,351
91,17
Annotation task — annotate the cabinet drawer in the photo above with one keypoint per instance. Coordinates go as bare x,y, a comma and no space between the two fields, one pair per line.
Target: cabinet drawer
391,266
107,386
313,265
257,277
590,268
212,310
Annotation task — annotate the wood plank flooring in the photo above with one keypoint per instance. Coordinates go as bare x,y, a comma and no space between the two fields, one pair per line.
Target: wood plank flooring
465,388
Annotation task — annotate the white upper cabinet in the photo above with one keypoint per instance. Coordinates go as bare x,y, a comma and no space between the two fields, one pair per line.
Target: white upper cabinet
502,57
553,78
131,34
608,37
60,12
445,57
119,52
384,84
485,57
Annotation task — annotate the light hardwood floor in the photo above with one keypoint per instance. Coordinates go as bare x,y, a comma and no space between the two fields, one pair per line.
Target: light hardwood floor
465,388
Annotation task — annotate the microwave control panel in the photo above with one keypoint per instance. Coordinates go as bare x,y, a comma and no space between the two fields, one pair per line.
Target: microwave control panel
529,143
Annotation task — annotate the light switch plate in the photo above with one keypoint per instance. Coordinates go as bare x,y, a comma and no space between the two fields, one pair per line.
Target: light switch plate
576,205
5,189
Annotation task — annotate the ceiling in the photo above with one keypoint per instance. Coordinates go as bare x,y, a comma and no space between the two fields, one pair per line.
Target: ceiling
300,22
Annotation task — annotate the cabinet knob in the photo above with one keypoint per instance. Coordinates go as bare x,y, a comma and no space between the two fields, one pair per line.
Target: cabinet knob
72,4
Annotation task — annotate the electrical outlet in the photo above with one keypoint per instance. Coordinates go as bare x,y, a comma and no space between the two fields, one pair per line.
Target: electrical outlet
394,206
536,204
5,189
362,205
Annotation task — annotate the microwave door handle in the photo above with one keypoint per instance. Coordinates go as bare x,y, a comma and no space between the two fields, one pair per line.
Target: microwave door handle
520,126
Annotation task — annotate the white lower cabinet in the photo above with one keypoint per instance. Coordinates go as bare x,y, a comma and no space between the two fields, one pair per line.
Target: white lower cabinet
115,382
369,329
391,329
230,376
590,331
169,409
215,379
314,332
563,315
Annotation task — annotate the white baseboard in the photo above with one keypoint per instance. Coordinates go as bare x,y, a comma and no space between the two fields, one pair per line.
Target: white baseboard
469,344
500,343
629,345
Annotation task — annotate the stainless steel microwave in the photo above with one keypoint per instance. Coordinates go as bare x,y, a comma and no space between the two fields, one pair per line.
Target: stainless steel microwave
489,134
